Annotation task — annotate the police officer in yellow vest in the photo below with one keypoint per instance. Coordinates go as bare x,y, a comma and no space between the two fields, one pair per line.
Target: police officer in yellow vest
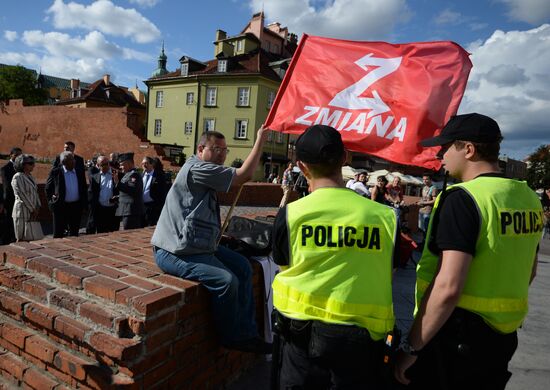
334,299
479,259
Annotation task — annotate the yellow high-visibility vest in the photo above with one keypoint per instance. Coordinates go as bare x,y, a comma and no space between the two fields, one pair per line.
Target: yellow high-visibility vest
497,283
341,250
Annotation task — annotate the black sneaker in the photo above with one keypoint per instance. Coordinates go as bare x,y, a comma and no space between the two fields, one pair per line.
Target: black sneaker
254,345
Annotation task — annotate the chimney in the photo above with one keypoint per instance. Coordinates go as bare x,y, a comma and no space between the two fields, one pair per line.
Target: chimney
220,34
107,79
75,84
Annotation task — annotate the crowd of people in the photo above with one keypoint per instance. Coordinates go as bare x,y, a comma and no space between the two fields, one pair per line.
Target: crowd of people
109,192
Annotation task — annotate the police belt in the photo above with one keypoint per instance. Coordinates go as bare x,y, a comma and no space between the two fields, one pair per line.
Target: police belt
298,332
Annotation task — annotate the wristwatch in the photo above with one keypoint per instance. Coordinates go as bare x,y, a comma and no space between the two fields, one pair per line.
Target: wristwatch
408,348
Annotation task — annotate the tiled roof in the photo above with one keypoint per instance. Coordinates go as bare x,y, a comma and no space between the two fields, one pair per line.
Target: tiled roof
97,91
58,82
254,62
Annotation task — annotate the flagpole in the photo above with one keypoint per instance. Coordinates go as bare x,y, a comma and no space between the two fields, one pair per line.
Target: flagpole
229,213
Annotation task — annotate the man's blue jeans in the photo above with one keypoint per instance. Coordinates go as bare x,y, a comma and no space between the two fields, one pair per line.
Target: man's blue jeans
228,277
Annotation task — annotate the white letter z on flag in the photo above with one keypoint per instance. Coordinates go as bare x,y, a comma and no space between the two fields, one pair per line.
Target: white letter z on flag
350,97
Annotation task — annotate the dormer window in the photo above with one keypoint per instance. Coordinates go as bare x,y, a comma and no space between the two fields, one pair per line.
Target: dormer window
185,69
240,46
222,66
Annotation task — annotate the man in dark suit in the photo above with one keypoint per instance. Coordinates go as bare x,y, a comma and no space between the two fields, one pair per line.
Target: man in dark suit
67,195
154,192
91,169
7,172
78,161
103,196
130,190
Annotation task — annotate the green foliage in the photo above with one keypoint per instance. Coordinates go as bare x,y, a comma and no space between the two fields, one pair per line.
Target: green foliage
17,82
538,173
237,163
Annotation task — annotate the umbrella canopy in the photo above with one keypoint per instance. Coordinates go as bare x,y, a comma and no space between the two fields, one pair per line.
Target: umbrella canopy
349,172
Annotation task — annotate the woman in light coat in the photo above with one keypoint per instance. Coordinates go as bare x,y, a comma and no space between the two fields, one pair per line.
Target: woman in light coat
27,200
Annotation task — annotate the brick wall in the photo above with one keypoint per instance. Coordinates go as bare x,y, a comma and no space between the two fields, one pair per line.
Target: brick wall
96,312
42,131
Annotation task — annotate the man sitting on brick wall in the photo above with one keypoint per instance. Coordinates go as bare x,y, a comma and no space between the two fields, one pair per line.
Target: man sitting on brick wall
186,239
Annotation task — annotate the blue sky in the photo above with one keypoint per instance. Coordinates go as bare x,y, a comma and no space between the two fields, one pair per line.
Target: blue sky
509,41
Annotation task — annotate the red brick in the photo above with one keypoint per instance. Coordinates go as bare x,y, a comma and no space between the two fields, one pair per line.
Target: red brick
173,281
40,348
124,296
161,336
71,364
141,283
37,380
14,335
37,289
12,303
72,276
40,315
148,360
136,325
50,252
168,318
157,300
18,257
159,373
59,376
71,328
45,265
144,273
116,348
97,314
12,278
12,365
104,287
65,300
108,271
26,246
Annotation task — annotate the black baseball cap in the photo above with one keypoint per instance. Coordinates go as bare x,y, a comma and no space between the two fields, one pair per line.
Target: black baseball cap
319,143
125,156
467,127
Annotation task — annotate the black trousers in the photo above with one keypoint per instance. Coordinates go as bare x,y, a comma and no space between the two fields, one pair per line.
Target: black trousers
67,217
317,355
465,354
152,214
7,230
131,222
105,219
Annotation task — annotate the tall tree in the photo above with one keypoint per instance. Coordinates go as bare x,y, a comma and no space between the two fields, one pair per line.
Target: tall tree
538,173
17,82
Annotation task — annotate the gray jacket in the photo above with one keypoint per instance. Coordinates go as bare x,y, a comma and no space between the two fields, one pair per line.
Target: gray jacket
130,197
190,219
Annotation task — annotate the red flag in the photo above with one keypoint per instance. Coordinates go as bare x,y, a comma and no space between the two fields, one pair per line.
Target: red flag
383,98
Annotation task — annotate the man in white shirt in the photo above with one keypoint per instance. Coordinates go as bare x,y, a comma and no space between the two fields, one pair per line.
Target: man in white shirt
153,192
103,195
361,185
66,194
352,181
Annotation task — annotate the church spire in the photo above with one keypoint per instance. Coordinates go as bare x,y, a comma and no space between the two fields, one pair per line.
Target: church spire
161,67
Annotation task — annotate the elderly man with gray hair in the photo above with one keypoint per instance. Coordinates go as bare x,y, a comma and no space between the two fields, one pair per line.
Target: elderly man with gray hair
67,196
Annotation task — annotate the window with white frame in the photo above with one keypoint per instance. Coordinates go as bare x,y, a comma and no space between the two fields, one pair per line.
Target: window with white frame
240,45
270,98
160,99
243,96
190,98
280,138
185,69
158,127
222,66
209,124
188,127
241,127
211,96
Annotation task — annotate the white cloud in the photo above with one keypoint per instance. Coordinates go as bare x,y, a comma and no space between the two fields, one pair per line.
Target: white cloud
350,19
447,17
530,11
145,3
509,82
10,35
106,17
